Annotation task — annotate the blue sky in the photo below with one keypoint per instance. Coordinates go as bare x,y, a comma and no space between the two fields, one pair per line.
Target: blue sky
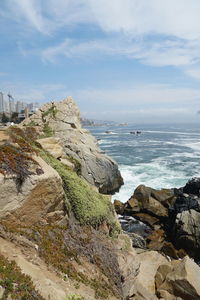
124,60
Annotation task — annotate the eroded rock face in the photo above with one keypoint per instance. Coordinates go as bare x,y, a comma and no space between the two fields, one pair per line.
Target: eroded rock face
64,120
40,195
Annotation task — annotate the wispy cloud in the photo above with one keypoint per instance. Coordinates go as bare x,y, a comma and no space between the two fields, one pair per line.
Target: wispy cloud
154,32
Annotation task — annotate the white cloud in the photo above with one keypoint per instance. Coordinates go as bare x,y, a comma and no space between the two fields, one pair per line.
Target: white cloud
178,18
156,32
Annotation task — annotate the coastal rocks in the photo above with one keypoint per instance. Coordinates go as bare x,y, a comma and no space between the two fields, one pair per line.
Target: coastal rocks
40,195
187,231
149,263
62,119
192,186
152,201
179,279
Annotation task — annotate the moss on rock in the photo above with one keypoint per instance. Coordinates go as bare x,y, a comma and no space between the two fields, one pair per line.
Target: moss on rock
89,207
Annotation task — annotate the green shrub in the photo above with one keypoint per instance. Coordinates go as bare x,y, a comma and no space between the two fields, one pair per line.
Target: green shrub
74,297
89,207
16,284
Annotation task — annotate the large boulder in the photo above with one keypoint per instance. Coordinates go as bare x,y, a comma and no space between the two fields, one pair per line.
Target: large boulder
187,231
180,279
192,186
149,263
40,195
151,200
62,119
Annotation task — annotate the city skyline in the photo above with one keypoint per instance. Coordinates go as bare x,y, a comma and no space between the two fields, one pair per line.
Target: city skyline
8,104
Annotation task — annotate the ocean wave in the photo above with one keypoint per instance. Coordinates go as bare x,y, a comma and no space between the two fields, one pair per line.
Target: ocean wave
155,174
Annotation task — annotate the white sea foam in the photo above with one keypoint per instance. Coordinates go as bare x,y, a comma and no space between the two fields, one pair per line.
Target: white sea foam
155,174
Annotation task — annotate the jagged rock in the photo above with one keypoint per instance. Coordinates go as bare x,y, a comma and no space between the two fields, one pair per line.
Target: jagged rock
185,202
179,279
144,195
119,207
64,120
52,145
187,231
40,194
192,186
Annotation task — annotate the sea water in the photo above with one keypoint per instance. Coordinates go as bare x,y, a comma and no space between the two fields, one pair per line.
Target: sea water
162,156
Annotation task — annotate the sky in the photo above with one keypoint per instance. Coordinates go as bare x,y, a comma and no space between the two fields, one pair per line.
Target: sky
123,60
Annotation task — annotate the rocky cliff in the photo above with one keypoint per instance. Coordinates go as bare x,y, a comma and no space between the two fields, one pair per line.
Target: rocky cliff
60,238
62,119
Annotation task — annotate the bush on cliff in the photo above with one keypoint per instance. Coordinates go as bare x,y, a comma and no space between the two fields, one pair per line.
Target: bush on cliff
89,207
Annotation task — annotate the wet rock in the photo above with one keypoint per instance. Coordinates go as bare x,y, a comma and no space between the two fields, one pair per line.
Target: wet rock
192,186
185,202
131,225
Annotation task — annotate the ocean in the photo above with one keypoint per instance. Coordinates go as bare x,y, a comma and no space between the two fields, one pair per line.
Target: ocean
162,156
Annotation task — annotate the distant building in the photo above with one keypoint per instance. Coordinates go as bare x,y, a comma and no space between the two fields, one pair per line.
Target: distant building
2,109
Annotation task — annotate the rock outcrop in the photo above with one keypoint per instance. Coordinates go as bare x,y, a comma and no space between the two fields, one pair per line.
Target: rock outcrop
178,280
40,195
62,120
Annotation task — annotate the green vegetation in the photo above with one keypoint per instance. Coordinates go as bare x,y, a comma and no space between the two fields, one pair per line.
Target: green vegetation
74,297
88,206
76,163
16,284
31,123
47,131
52,111
4,118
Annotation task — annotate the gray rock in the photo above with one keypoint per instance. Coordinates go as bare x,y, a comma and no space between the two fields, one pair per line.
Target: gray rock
64,119
187,231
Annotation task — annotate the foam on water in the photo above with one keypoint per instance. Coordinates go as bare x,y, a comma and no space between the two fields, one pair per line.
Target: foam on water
161,157
155,175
